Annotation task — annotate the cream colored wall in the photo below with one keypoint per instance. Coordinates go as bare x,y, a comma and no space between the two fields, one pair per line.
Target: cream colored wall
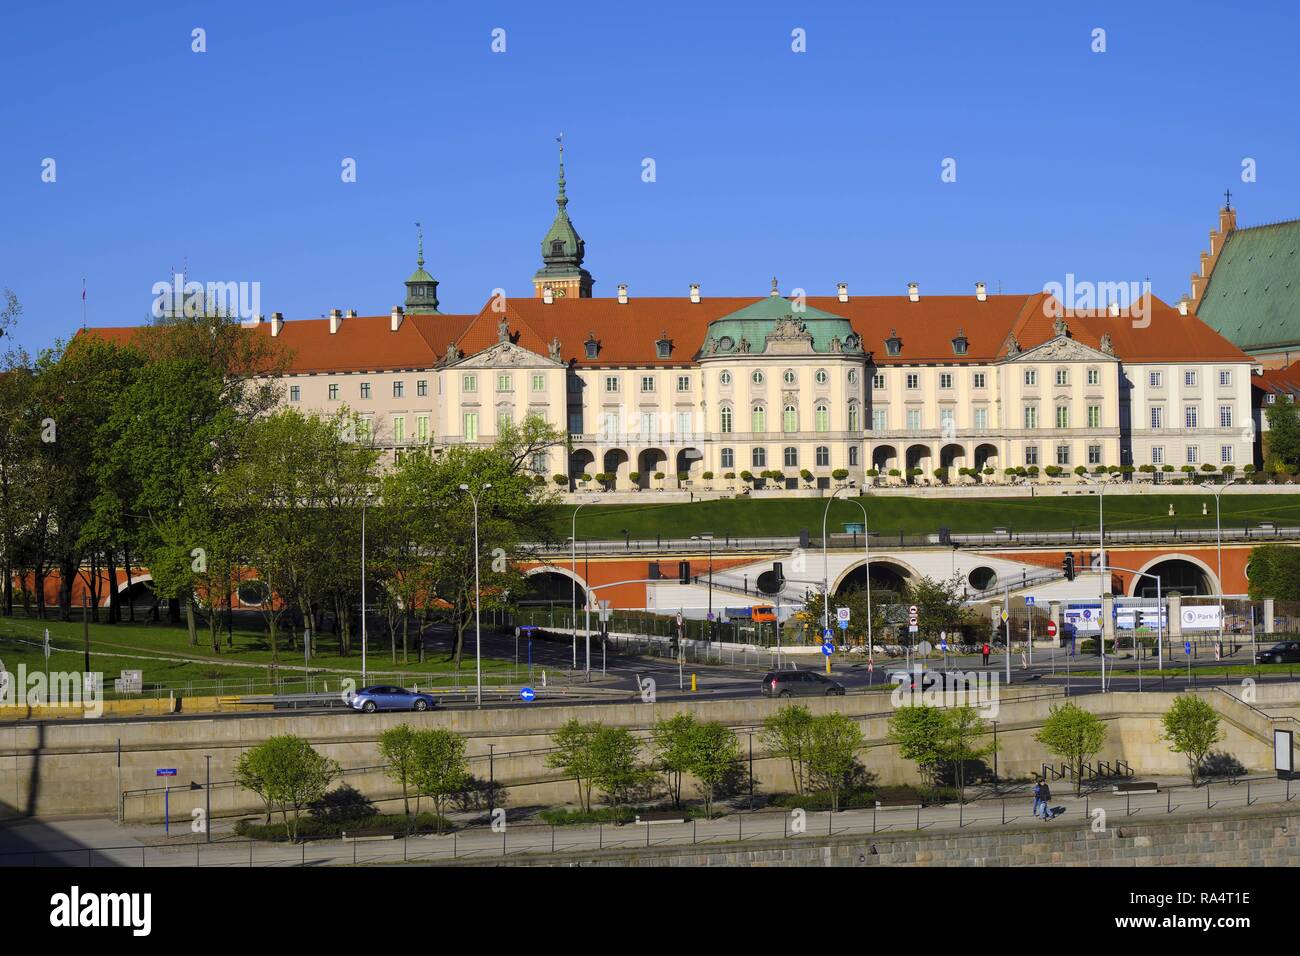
1174,396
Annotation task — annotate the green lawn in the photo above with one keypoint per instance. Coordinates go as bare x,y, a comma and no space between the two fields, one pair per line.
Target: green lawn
760,517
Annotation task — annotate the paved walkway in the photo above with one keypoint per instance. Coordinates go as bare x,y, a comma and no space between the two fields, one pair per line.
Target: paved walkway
100,842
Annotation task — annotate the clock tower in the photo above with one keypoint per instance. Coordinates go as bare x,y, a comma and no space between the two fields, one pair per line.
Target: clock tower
562,253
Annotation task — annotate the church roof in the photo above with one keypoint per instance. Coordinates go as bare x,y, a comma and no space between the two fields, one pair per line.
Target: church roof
1253,296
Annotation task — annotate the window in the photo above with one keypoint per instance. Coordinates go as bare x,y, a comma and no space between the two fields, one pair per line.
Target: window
1062,455
981,419
1157,455
758,419
1031,376
758,457
295,393
422,387
789,419
853,456
854,422
663,348
791,457
1062,376
724,378
1031,454
823,456
365,389
592,348
334,392
979,380
399,430
913,380
1225,416
650,425
399,389
821,376
1157,416
757,377
647,383
1225,377
365,429
853,376
1156,379
913,419
1189,378
538,463
505,418
726,419
947,423
1094,416
945,379
1031,416
684,423
1094,454
611,383
1193,454
1225,454
1094,376
505,383
789,377
1062,416
539,382
469,383
823,418
728,458
610,425
422,428
683,383
1191,416
471,426
878,380
879,419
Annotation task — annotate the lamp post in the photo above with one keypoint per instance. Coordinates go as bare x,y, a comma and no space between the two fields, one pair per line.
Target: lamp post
708,536
826,584
1101,568
364,501
1160,621
1218,537
478,630
573,573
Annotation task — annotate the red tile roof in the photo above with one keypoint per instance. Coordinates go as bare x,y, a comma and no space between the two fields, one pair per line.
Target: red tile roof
1279,381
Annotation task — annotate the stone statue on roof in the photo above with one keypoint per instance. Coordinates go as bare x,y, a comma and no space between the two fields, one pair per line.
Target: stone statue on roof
1013,346
1106,345
452,352
836,344
503,330
1059,327
713,346
744,346
554,349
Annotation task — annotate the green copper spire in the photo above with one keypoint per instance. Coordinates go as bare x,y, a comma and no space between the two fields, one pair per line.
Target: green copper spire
421,288
562,248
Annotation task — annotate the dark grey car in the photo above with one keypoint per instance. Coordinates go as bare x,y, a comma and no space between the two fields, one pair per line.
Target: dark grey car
800,684
1284,652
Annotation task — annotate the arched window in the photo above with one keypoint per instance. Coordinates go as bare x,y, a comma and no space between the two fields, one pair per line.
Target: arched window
758,419
789,419
791,457
823,456
759,457
854,422
726,418
823,418
853,456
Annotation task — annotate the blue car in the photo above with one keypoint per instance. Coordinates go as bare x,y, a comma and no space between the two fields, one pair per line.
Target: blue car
386,697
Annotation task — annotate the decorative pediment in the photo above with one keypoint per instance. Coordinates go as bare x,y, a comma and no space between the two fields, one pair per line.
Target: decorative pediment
508,355
1060,349
789,336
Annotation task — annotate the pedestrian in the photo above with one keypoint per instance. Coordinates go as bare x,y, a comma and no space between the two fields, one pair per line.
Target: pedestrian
986,650
1038,795
1046,795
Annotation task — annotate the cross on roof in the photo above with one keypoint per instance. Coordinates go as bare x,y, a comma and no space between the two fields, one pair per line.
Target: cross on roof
1227,199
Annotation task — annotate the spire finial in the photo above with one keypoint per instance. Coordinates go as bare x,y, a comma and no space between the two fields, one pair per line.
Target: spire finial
561,199
1227,199
775,288
419,259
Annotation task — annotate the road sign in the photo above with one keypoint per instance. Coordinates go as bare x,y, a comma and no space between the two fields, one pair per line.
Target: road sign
1187,647
913,610
527,694
1051,629
828,648
1004,615
842,615
826,634
943,644
679,618
1029,600
844,624
165,772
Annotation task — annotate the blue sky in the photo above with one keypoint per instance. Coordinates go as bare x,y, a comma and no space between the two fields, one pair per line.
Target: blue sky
814,167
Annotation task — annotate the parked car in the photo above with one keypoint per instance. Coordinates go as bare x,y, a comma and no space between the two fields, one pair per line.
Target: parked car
387,697
800,684
1284,652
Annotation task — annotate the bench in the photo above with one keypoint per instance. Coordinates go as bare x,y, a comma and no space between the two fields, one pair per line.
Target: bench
1143,787
660,816
893,802
363,836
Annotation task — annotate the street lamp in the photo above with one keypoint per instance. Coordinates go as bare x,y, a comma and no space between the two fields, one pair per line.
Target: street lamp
708,536
1101,568
1218,537
478,629
826,584
364,501
1160,622
573,576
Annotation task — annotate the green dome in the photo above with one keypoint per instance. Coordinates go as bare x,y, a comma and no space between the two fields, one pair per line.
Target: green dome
775,322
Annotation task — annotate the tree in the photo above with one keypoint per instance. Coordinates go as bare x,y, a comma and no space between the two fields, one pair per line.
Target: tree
833,744
962,726
712,756
1075,735
938,603
1274,572
1192,728
855,599
785,735
614,766
920,735
670,741
1283,435
288,773
397,747
438,767
573,755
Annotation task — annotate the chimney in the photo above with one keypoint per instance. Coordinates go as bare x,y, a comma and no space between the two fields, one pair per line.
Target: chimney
1182,306
622,293
695,292
1114,310
257,320
981,292
843,289
395,322
352,313
336,319
277,323
914,292
548,295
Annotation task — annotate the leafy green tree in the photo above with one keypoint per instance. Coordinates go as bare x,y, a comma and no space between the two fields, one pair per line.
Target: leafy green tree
855,599
397,747
1192,727
573,755
614,766
439,769
920,733
833,744
962,727
1075,735
288,773
713,756
1283,435
670,741
939,603
785,735
1274,572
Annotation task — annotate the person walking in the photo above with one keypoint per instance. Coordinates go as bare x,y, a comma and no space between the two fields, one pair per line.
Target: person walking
1038,796
986,649
1045,794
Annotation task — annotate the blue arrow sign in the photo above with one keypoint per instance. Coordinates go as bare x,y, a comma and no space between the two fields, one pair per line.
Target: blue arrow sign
527,694
828,648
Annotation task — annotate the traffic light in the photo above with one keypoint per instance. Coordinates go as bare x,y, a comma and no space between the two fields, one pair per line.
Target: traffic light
1067,565
684,572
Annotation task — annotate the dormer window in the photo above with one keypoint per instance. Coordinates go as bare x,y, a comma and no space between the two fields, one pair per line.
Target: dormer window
557,247
592,345
959,343
893,344
663,346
